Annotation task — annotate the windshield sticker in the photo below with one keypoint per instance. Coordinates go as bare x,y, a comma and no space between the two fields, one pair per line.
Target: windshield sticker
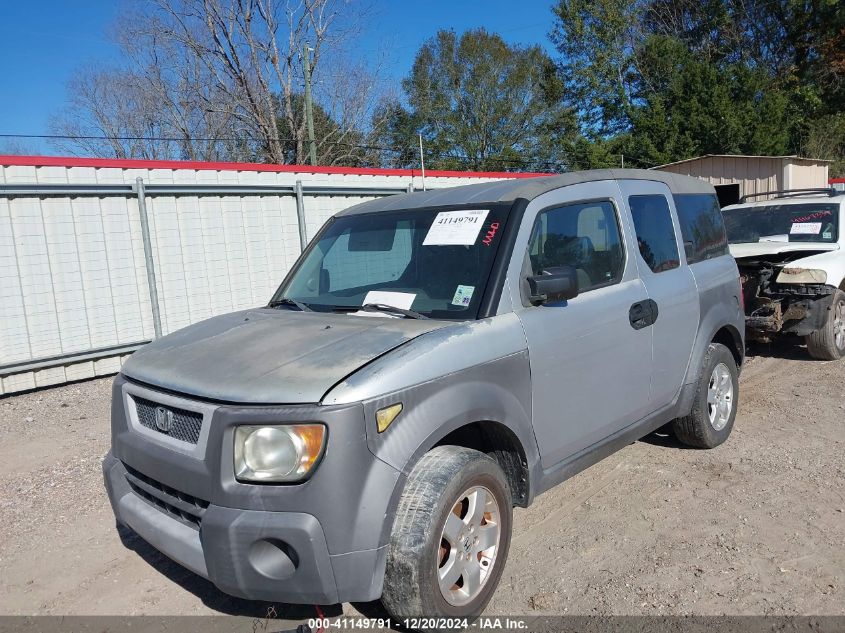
815,216
806,228
396,299
463,295
456,228
491,233
827,235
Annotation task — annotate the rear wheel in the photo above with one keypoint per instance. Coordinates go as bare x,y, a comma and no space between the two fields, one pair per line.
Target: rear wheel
828,343
451,536
711,419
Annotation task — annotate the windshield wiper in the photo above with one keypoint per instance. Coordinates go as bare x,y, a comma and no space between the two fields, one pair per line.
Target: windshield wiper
291,303
381,307
389,309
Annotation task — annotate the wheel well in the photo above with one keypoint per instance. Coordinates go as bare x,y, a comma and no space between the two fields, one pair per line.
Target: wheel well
731,339
500,443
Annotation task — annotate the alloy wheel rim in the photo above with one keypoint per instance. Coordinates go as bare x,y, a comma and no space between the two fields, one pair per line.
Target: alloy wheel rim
469,543
720,397
839,325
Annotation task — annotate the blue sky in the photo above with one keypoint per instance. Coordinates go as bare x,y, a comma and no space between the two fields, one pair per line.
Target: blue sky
42,43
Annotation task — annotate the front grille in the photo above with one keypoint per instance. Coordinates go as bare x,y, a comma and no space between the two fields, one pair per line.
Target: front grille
177,423
181,506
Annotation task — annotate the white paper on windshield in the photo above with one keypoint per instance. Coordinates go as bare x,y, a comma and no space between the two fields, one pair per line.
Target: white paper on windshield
456,228
396,299
463,295
806,228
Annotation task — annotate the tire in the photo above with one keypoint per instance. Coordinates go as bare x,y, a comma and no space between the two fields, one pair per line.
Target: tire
828,343
446,484
711,419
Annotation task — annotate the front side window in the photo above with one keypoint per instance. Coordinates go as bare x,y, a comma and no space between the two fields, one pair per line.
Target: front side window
585,236
812,222
655,232
433,262
702,226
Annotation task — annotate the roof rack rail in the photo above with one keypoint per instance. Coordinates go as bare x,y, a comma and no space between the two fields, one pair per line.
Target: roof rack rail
789,193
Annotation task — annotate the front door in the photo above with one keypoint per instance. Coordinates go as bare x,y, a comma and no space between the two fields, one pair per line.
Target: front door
590,365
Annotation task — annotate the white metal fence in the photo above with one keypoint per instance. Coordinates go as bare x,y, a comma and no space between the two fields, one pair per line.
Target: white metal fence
82,240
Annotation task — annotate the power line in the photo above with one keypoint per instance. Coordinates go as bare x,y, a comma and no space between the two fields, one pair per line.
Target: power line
544,164
441,155
80,137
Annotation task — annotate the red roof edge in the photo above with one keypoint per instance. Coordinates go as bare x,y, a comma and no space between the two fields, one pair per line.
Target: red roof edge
836,180
130,163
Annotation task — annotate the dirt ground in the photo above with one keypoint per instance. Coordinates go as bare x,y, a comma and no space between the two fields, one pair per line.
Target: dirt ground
755,527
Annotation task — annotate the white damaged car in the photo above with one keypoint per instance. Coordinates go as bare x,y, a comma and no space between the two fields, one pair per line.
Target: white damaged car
791,256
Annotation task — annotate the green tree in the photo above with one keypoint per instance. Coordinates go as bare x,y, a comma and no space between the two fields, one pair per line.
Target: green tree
826,137
799,45
685,106
480,103
596,40
336,145
664,80
396,136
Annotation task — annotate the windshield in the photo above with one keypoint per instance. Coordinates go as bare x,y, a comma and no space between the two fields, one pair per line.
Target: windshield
812,222
435,263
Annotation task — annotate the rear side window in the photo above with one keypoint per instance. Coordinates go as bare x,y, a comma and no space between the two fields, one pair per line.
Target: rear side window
702,226
655,233
585,236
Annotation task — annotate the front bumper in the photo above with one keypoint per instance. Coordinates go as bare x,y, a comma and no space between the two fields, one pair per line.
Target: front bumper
798,313
323,541
274,556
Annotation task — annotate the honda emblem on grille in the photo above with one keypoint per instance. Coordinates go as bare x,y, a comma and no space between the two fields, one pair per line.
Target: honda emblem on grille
164,419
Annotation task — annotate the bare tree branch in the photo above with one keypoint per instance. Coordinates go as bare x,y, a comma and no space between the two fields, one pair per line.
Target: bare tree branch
227,70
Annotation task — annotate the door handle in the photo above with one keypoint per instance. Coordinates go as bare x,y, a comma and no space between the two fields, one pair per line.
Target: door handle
643,314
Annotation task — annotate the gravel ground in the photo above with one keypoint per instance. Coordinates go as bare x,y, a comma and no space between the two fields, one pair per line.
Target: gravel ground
755,527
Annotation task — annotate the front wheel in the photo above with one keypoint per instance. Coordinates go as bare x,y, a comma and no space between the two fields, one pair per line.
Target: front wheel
828,343
450,538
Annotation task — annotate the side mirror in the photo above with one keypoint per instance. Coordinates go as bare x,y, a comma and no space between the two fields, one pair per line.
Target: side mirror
553,284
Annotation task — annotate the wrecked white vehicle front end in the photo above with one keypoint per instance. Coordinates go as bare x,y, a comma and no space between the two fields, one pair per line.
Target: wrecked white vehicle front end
786,291
792,265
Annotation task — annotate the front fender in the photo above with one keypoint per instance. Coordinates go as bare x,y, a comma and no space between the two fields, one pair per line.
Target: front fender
498,391
471,371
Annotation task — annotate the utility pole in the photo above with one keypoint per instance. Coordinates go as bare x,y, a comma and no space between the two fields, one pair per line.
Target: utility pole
422,162
622,156
309,114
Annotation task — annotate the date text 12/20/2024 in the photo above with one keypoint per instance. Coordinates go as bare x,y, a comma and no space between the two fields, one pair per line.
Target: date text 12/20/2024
422,623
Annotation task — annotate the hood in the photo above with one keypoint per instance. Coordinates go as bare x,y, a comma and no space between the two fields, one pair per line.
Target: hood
758,249
269,356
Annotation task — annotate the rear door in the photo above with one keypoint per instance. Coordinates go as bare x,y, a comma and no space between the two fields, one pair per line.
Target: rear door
668,281
590,367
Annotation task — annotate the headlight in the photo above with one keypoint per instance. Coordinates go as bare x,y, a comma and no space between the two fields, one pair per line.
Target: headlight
802,276
277,453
